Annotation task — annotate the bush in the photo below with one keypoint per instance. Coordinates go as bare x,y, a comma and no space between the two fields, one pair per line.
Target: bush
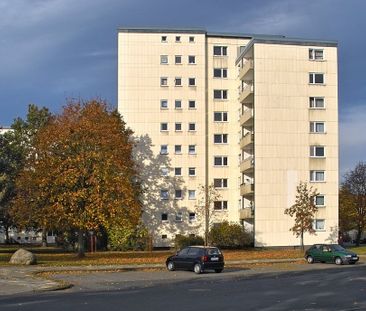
182,241
226,235
128,238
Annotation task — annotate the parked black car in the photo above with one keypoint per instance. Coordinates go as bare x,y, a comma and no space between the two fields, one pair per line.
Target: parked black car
197,258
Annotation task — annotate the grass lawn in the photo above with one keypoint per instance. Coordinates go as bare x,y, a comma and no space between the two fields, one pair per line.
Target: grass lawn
361,250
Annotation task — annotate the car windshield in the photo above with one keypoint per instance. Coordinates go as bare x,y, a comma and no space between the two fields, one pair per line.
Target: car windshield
213,251
338,248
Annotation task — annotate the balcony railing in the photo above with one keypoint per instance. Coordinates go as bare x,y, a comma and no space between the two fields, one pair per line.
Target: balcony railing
246,213
247,117
247,165
247,66
246,140
245,92
246,189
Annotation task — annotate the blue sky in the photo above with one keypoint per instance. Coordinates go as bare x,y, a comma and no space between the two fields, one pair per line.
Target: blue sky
51,50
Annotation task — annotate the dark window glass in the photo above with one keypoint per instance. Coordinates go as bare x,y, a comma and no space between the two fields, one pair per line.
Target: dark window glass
164,216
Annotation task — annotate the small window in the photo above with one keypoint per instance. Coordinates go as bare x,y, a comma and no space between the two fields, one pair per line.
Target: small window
163,126
191,59
316,78
192,149
164,149
220,182
164,217
220,138
191,194
220,73
220,116
319,200
178,171
164,194
220,205
192,216
178,59
163,59
179,217
177,38
178,104
164,104
192,81
191,39
316,54
191,171
317,127
192,104
317,151
220,94
220,50
316,102
178,194
317,176
220,161
163,81
164,236
191,127
178,81
164,39
319,224
178,127
164,171
178,149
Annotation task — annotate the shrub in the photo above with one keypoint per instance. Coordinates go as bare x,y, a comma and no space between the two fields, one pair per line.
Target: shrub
127,238
182,241
229,235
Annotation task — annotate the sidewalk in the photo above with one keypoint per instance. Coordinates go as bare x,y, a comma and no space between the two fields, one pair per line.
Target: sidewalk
23,279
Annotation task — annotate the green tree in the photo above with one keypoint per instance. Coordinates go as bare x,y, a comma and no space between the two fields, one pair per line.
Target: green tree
303,210
229,235
82,174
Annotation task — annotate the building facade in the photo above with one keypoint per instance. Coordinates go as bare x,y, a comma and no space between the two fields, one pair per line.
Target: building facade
251,115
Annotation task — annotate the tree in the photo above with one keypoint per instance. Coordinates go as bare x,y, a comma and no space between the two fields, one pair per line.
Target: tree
229,235
353,200
207,196
304,210
82,173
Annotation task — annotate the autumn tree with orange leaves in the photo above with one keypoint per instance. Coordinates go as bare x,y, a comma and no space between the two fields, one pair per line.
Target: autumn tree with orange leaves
80,174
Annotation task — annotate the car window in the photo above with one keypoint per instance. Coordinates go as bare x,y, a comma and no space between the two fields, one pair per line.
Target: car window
194,251
213,251
326,248
338,248
183,252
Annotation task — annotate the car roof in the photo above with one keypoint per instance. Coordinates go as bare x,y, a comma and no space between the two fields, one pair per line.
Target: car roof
201,246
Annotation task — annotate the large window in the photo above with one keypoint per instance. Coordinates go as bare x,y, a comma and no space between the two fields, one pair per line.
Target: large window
220,94
220,116
319,200
316,54
220,138
163,149
317,176
317,151
220,50
319,224
220,182
317,127
220,160
316,78
220,73
220,205
316,102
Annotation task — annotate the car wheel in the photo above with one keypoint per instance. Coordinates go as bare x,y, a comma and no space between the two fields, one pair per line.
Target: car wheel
338,261
310,259
170,266
218,270
197,268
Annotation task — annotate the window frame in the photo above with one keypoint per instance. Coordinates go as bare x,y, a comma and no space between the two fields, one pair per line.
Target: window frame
223,73
222,114
313,78
161,104
190,80
189,149
164,39
194,60
313,176
223,183
223,140
164,57
223,205
191,39
175,149
180,194
178,39
176,80
190,170
189,104
177,171
191,197
313,102
314,125
224,161
161,217
313,151
315,199
178,216
162,196
315,225
312,54
178,124
222,50
164,81
175,59
193,125
190,218
161,149
223,94
164,127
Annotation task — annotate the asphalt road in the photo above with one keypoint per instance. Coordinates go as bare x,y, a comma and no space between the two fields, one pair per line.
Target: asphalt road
341,288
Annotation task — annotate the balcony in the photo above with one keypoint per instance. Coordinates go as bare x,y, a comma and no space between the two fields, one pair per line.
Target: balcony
247,189
247,140
246,94
247,118
246,72
246,213
247,165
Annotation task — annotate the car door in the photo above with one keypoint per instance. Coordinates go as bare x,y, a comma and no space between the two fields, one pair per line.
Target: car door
327,254
180,260
193,255
316,251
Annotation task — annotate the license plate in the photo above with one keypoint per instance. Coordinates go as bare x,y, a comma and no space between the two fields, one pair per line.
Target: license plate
354,258
214,259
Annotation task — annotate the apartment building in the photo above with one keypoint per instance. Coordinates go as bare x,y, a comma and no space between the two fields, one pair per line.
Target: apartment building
252,115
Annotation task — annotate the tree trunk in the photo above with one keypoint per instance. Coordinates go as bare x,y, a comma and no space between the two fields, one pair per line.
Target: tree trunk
358,236
81,249
7,239
302,240
44,237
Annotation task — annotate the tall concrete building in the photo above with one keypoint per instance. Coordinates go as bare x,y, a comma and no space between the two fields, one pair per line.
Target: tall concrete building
252,115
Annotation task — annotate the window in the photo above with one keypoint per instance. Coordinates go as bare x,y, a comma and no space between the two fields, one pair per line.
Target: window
178,127
191,127
164,236
178,59
163,126
317,151
220,116
220,182
319,200
220,50
178,104
164,217
220,73
163,81
177,38
220,161
178,194
164,39
163,104
192,81
179,217
220,138
164,194
316,78
163,59
192,104
316,102
178,171
220,94
178,149
191,194
191,59
178,81
319,224
164,171
163,149
317,176
316,54
192,149
191,39
317,127
192,216
220,205
192,171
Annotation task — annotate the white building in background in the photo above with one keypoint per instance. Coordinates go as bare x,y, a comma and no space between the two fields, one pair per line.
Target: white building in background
253,115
